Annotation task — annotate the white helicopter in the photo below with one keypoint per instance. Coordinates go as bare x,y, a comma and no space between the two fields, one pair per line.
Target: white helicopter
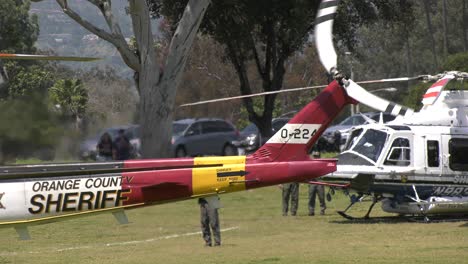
414,165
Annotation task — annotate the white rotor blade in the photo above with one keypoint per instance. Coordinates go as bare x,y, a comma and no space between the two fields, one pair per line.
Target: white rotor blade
361,95
400,79
324,34
7,56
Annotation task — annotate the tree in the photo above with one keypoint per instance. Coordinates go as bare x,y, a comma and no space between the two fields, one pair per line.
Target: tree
70,96
431,32
111,99
19,30
259,33
265,33
18,33
156,80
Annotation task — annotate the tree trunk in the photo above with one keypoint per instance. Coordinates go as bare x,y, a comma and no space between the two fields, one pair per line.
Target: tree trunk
465,40
158,90
409,70
156,102
431,33
444,27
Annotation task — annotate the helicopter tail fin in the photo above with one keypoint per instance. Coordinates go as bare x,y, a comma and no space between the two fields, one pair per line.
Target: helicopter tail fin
434,91
294,140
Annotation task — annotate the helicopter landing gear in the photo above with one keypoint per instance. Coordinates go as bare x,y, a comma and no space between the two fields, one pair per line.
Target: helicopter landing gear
354,199
375,199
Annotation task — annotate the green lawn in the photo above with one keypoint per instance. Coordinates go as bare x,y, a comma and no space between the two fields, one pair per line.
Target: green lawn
258,234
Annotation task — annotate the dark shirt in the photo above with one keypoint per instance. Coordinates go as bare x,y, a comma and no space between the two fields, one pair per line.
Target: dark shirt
122,148
105,148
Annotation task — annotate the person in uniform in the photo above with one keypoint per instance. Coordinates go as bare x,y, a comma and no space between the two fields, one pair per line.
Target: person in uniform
290,193
209,219
315,190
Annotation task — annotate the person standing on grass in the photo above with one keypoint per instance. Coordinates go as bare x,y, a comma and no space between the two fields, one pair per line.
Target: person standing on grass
122,146
290,193
105,148
209,219
315,190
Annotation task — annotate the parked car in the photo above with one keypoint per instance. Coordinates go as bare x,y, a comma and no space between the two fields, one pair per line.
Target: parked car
340,132
203,136
88,146
251,139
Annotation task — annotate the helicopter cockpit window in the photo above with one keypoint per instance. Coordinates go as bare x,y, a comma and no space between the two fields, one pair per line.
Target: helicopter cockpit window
458,147
371,144
433,153
352,138
399,154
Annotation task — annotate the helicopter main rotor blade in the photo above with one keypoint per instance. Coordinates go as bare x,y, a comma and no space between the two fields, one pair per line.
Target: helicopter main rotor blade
251,95
356,91
324,34
328,57
8,56
399,79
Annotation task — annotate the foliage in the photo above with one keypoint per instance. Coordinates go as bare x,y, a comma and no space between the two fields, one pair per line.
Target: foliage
354,14
259,37
70,96
414,97
112,100
456,62
27,80
18,30
27,127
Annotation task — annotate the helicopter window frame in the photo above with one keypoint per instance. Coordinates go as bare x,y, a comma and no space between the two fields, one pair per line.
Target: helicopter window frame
458,160
354,135
400,148
433,152
371,144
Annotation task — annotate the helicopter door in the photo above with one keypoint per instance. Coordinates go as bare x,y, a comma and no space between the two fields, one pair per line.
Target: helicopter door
433,149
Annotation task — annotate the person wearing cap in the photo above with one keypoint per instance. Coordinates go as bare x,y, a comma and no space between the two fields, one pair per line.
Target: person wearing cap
315,190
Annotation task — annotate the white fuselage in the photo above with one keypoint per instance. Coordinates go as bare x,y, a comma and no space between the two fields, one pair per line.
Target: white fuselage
428,149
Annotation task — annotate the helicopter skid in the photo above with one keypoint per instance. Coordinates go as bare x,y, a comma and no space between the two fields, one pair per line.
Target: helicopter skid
432,205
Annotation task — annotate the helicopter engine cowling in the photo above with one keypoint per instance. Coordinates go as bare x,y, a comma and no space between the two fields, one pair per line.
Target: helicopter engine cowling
432,205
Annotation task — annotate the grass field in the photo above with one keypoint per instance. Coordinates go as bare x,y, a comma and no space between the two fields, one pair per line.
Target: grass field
257,234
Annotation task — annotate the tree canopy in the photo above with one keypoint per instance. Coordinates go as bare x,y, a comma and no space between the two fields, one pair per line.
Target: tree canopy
265,33
18,29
